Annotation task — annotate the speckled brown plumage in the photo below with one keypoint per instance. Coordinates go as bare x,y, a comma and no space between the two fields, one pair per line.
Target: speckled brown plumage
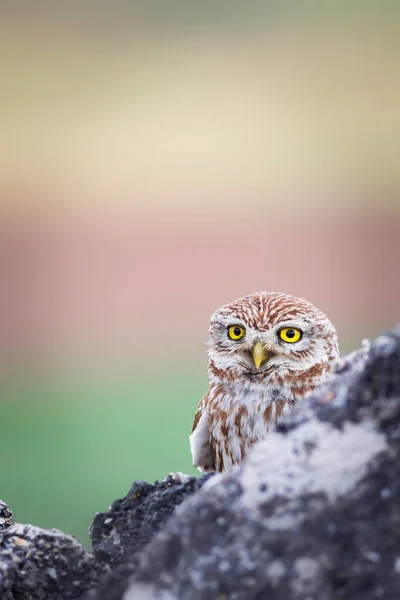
254,380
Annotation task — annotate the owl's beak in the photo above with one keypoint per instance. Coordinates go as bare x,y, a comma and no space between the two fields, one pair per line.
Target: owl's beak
259,354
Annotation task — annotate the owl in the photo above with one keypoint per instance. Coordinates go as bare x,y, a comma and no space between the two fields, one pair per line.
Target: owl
265,352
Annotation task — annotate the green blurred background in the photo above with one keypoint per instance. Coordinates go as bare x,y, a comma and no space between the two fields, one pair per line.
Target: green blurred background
158,161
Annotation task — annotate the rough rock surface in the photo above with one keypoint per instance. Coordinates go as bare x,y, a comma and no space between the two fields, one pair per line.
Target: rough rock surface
5,516
40,564
313,513
120,534
130,522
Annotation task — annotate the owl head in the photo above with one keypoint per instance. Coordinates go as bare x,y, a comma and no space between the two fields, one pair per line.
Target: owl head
266,336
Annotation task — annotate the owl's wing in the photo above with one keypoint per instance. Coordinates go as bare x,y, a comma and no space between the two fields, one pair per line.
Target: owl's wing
200,445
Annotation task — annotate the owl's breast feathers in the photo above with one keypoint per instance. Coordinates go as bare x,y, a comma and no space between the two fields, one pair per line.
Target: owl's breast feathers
233,425
230,420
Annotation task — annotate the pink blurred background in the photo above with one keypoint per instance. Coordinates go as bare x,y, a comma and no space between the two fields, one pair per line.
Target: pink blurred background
87,285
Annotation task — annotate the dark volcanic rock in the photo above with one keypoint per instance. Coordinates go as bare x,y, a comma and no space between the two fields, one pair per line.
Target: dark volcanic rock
5,516
120,534
130,522
39,564
313,513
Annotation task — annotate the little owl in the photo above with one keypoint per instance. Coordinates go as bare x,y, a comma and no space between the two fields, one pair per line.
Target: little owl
265,352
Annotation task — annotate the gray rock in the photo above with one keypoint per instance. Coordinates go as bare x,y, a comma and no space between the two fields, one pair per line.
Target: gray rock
313,513
39,564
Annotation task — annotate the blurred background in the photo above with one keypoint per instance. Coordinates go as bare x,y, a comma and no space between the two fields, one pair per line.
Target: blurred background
159,160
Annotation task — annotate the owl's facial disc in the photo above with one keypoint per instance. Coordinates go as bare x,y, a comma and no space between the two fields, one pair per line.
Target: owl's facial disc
254,350
260,335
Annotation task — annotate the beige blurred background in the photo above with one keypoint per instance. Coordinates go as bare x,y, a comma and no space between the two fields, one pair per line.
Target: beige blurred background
158,161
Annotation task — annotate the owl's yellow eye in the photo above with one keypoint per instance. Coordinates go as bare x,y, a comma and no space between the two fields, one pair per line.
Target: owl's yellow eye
290,334
236,332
